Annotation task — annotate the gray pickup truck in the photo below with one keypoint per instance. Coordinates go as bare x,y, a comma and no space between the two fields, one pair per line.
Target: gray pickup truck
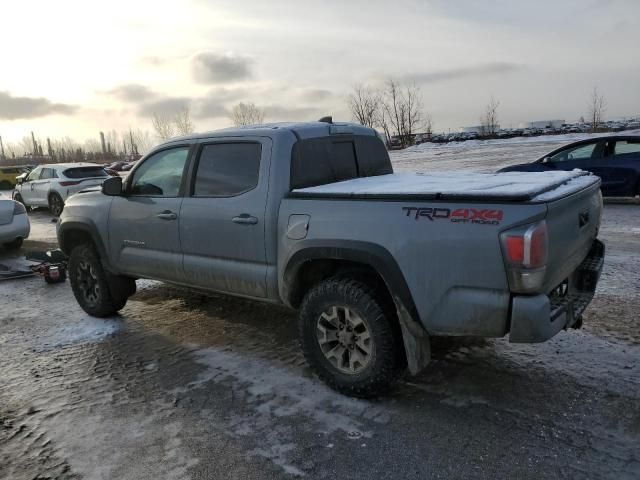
311,215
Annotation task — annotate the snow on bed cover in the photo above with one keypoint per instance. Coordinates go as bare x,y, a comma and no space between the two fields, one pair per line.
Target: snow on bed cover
505,184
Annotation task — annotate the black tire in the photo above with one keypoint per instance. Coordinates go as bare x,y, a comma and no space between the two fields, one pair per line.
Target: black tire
56,204
15,245
18,198
99,293
385,361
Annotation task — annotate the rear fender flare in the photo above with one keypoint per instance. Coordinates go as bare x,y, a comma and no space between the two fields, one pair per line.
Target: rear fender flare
414,336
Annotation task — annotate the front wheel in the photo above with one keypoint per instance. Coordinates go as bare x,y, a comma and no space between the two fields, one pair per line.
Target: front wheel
348,337
56,204
99,293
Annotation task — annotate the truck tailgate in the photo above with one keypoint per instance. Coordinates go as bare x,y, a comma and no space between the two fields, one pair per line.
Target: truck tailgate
572,225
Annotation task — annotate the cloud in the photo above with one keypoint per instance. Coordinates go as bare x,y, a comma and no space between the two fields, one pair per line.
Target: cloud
132,92
209,108
464,72
281,112
164,106
211,105
316,94
153,60
12,108
210,67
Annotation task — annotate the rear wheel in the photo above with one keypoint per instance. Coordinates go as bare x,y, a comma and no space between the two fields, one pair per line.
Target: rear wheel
56,204
98,292
348,338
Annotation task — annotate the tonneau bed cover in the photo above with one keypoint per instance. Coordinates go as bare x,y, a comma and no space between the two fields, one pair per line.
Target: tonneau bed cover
502,187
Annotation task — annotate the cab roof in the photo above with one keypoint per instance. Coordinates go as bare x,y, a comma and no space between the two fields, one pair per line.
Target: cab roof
300,130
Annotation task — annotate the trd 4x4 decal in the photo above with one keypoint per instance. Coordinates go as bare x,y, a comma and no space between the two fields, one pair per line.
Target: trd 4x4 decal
458,215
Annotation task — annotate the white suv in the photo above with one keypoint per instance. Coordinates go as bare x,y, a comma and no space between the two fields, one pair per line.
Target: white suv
50,185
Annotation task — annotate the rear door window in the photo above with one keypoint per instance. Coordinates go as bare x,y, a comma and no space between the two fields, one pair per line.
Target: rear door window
85,172
623,147
319,161
227,169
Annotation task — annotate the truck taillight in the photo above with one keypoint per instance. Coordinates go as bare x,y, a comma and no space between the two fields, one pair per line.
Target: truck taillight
525,251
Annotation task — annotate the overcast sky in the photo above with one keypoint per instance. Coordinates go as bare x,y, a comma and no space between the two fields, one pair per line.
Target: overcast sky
77,67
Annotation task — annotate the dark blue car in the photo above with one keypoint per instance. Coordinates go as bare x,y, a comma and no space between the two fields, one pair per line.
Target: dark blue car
615,159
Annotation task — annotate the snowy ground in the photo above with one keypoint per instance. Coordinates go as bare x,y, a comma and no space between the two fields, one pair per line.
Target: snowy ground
184,385
483,155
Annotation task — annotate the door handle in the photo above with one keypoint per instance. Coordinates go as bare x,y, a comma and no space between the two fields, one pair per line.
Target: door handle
245,219
167,215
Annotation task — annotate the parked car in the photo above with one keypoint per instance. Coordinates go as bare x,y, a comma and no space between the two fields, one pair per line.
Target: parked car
128,166
312,216
14,224
117,166
615,159
8,176
50,185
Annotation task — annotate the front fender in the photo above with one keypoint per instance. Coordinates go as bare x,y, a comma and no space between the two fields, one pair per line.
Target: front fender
85,225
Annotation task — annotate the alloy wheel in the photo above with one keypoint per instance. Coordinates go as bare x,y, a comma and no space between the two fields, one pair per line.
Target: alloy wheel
88,283
345,340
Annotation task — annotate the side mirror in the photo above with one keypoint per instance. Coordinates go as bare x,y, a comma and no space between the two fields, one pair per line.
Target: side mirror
112,186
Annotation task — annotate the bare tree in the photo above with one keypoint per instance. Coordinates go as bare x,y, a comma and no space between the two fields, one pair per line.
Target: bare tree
112,140
428,124
489,121
25,146
11,150
382,121
163,126
143,140
182,122
403,109
246,114
92,145
365,104
597,108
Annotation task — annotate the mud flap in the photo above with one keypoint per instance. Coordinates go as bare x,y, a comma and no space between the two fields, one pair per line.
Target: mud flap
120,288
417,346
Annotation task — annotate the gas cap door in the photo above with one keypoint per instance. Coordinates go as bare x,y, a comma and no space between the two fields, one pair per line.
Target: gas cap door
298,226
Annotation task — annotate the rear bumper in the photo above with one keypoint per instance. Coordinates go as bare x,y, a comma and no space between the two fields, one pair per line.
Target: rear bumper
18,228
536,318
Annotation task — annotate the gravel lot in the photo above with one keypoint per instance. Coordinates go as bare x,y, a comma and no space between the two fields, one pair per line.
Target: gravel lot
186,385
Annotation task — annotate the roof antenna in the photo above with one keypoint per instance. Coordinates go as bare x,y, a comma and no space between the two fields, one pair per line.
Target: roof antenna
327,119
